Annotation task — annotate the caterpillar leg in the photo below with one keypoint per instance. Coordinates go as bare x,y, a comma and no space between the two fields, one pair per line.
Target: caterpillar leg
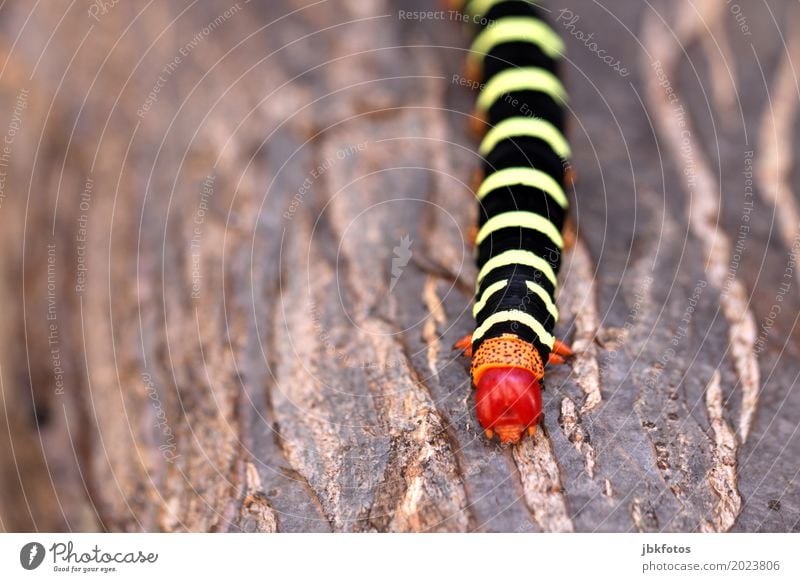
560,353
473,71
570,235
465,345
476,179
475,184
570,176
562,349
472,235
478,125
489,433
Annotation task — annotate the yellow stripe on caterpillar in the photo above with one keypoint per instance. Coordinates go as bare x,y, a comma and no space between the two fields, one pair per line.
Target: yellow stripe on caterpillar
526,127
516,29
523,177
532,287
517,257
521,219
522,79
545,297
516,316
479,8
490,290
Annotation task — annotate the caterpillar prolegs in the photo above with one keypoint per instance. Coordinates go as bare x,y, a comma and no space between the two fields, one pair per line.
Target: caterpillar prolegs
522,207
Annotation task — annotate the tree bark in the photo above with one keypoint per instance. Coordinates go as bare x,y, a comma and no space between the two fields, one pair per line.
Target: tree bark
236,261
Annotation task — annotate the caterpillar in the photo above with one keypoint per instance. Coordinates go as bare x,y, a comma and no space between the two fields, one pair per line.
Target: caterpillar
522,207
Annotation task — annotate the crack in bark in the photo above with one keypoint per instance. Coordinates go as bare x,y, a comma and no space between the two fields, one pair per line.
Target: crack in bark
722,477
541,481
256,513
570,422
703,212
774,165
580,294
436,317
432,495
578,297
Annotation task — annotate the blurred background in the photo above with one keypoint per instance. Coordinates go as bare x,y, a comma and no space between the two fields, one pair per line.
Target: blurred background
235,261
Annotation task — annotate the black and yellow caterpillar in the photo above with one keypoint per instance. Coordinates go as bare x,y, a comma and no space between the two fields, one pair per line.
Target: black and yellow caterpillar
522,206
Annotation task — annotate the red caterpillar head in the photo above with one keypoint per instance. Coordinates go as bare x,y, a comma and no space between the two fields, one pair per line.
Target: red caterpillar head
508,401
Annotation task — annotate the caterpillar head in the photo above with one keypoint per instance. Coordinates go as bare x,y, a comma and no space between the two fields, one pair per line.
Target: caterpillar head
508,402
506,372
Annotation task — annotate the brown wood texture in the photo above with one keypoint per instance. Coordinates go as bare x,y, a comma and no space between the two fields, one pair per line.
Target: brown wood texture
235,261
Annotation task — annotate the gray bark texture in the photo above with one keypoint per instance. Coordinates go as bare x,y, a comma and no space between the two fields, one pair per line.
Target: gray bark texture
235,260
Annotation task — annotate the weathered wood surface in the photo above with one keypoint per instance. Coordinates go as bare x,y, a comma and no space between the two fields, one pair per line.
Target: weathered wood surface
236,355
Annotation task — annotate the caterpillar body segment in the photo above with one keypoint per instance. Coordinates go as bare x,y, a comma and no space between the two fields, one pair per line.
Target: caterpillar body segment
520,129
520,112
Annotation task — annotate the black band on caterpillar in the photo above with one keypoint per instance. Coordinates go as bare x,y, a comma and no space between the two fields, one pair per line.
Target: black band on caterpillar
522,199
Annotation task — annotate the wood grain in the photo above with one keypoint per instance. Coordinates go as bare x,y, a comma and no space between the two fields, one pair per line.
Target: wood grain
236,260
